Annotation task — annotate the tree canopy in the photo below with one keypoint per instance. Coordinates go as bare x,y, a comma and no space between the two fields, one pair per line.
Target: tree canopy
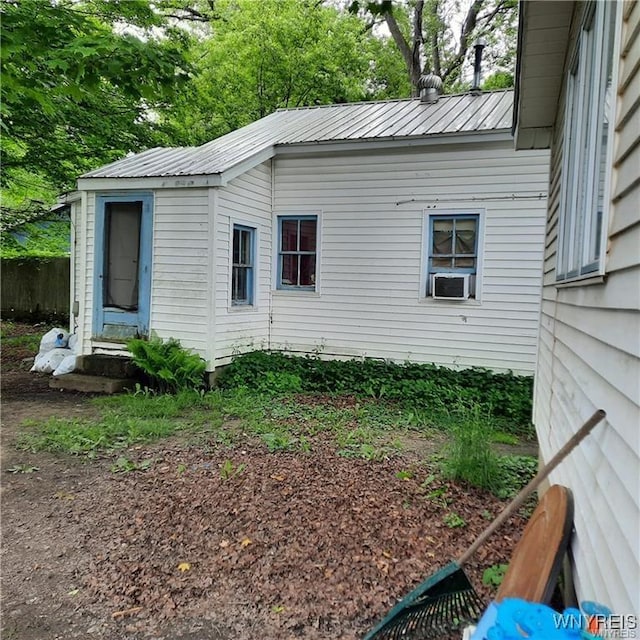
77,85
84,82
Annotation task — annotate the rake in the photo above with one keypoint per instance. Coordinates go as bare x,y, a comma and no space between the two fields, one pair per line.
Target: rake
447,600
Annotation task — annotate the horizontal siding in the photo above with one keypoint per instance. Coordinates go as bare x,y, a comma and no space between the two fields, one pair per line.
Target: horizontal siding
372,211
180,302
247,200
589,358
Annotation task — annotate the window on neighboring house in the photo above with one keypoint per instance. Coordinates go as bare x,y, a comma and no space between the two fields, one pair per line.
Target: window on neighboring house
243,265
452,250
297,252
585,164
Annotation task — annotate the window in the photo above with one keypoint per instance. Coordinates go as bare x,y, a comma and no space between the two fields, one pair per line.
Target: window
453,248
297,252
243,265
585,162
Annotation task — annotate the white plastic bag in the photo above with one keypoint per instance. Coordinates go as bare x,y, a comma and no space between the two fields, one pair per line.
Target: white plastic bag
73,342
51,360
54,339
67,365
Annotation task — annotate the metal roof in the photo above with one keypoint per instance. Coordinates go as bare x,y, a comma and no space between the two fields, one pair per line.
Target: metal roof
363,121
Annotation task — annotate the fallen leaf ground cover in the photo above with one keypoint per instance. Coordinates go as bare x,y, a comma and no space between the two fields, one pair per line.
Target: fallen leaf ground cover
305,517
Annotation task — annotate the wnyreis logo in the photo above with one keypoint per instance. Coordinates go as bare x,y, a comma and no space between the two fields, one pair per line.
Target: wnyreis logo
599,625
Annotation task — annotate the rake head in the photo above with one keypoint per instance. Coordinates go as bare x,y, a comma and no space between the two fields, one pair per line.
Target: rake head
445,602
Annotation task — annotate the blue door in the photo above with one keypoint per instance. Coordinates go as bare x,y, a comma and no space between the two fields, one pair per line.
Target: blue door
122,283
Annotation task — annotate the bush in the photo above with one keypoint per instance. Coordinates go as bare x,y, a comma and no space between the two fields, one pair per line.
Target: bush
169,367
503,396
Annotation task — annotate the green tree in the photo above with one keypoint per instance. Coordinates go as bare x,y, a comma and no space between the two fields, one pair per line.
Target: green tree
261,56
437,35
79,80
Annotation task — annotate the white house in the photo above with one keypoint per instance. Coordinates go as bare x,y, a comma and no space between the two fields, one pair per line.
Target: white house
401,229
578,93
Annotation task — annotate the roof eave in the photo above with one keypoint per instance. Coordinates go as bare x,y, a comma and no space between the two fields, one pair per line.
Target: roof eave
543,36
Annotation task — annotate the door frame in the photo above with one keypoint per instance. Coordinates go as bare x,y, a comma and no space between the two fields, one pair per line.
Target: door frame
105,315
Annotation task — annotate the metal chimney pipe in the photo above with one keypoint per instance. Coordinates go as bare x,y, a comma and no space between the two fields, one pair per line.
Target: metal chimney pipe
479,46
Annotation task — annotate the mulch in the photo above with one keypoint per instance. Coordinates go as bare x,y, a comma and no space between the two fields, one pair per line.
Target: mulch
301,545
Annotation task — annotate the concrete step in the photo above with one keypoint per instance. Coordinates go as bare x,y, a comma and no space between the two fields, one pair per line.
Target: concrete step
91,384
112,366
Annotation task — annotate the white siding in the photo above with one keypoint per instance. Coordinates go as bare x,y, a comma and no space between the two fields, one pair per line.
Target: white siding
372,208
180,302
589,357
246,200
85,281
179,298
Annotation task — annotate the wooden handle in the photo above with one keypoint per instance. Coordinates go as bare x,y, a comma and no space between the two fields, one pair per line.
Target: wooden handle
535,482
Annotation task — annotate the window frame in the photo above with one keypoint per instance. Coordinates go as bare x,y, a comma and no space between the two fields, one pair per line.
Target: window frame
279,253
429,216
250,302
582,226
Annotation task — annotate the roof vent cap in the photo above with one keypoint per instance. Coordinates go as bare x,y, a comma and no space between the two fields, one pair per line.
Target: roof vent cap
430,86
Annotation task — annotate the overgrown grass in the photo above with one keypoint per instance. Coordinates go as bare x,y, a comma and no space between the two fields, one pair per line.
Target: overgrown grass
275,412
421,388
124,421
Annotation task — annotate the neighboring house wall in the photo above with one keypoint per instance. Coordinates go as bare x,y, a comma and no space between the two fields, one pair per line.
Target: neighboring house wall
373,210
589,358
246,201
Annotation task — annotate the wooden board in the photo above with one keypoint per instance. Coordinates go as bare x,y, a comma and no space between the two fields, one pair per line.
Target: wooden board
537,558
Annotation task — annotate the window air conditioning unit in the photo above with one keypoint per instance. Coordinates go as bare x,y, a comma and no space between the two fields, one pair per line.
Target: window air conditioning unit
450,286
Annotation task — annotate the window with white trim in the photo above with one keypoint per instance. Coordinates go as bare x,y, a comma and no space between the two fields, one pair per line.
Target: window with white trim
297,252
243,265
452,251
585,151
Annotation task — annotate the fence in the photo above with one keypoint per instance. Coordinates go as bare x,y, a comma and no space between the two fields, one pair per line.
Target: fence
35,288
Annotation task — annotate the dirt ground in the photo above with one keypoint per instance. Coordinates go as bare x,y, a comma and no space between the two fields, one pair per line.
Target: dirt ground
304,545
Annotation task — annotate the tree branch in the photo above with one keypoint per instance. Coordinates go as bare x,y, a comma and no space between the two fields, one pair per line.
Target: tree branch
403,46
469,24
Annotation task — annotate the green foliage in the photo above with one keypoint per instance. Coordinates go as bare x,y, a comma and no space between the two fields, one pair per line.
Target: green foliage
454,521
469,457
22,468
85,437
169,367
228,470
45,239
79,78
498,80
515,473
262,56
502,396
493,575
124,465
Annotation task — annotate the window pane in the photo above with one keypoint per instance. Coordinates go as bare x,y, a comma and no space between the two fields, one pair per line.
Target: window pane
465,263
601,168
466,236
236,246
442,263
289,235
239,289
307,271
245,247
307,235
290,270
443,237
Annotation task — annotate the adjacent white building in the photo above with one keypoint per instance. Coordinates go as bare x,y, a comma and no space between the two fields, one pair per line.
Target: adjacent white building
399,229
578,91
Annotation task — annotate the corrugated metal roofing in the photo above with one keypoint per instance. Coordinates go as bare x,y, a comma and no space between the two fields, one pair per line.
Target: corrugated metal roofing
363,121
